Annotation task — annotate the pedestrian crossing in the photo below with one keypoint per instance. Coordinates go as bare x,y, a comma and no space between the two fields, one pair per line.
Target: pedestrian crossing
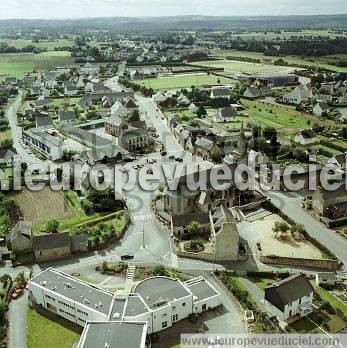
142,217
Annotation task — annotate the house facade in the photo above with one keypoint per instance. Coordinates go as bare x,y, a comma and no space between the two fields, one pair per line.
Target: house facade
291,297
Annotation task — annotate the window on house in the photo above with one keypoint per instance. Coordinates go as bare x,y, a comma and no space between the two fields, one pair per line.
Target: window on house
175,317
183,304
164,324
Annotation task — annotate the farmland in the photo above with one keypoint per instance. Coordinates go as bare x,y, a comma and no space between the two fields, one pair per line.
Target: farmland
183,81
40,206
18,64
46,45
231,66
286,120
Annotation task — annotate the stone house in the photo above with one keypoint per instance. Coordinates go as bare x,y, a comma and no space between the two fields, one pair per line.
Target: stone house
330,203
19,239
180,223
114,125
51,246
207,149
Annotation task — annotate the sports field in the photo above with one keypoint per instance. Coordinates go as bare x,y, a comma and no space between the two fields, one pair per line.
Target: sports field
233,66
183,81
323,62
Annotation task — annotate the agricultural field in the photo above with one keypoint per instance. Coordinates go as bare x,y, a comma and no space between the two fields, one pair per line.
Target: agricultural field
285,119
270,35
40,206
183,81
233,66
47,45
18,64
17,69
322,62
185,114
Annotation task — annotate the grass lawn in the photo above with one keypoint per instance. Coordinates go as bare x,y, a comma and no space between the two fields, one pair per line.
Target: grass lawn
5,135
326,296
60,101
233,66
304,325
183,81
322,62
43,332
262,283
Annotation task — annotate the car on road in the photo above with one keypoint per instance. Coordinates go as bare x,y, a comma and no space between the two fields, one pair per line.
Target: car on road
149,171
127,256
179,159
163,153
171,157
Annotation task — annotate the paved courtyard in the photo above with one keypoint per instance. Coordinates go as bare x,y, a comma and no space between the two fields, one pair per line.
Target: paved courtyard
262,232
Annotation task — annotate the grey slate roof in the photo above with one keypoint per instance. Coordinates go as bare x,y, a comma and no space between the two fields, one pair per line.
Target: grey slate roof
67,115
293,288
186,219
51,241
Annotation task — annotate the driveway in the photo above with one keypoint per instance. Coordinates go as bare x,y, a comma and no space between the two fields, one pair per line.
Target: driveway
17,317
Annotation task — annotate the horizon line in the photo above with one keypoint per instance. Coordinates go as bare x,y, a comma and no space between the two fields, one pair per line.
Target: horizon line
175,16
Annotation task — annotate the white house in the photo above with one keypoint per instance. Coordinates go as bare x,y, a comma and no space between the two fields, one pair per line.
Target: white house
290,297
325,278
228,114
305,137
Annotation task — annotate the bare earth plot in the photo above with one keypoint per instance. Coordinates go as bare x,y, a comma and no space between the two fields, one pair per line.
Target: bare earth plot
288,247
40,206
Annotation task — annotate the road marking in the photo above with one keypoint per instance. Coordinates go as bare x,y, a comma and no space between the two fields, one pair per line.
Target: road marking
143,217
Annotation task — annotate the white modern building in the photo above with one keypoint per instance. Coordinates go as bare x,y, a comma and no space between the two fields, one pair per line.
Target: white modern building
158,302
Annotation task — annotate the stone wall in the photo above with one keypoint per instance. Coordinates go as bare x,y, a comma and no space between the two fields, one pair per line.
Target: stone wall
331,265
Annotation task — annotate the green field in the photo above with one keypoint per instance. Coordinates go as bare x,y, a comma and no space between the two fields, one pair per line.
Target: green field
48,45
270,35
322,62
183,81
44,332
232,66
18,64
17,69
286,120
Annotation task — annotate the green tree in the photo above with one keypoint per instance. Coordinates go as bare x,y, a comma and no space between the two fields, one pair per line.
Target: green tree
159,270
280,227
194,228
52,226
134,115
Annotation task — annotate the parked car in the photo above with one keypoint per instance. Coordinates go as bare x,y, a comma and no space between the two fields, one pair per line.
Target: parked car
163,153
128,256
149,171
172,157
